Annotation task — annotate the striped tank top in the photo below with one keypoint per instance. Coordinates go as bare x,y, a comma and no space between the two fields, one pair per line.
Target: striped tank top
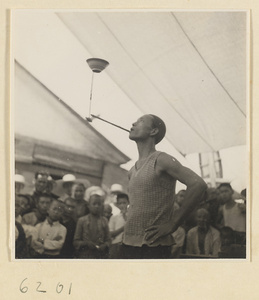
151,203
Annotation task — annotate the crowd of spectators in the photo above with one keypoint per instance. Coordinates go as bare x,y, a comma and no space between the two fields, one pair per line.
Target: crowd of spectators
86,222
216,228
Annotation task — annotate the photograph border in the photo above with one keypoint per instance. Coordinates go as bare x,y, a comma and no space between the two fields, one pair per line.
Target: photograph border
133,267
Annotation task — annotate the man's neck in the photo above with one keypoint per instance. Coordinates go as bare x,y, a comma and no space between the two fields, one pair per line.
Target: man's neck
145,149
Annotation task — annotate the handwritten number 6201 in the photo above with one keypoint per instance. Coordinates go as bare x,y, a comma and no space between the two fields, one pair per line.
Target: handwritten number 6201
59,288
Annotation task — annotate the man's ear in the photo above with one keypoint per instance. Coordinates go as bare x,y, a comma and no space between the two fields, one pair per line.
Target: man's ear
154,131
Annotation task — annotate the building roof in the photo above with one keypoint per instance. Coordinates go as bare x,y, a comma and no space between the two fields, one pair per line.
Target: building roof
41,116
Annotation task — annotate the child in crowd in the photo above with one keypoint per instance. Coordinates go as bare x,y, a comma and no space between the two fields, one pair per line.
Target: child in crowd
68,221
107,211
111,197
92,237
25,202
203,239
116,226
39,214
213,205
50,235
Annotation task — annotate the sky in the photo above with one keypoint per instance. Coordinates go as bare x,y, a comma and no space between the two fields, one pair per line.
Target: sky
47,49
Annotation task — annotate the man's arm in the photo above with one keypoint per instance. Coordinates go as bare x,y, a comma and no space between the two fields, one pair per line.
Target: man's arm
195,191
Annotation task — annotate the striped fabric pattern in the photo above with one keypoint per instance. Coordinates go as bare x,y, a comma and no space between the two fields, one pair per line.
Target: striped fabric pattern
151,202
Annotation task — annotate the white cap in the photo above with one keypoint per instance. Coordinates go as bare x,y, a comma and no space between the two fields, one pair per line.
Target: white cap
97,192
50,178
116,188
69,178
94,190
19,178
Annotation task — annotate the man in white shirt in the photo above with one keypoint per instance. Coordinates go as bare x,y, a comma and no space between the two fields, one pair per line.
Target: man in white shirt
68,181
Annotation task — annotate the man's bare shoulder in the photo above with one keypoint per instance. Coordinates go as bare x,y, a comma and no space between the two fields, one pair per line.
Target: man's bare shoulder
165,161
170,165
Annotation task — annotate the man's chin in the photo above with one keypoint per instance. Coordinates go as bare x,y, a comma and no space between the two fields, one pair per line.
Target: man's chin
131,137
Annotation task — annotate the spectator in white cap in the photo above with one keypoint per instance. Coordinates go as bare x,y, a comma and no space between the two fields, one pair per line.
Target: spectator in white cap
94,190
98,191
19,183
68,181
112,197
